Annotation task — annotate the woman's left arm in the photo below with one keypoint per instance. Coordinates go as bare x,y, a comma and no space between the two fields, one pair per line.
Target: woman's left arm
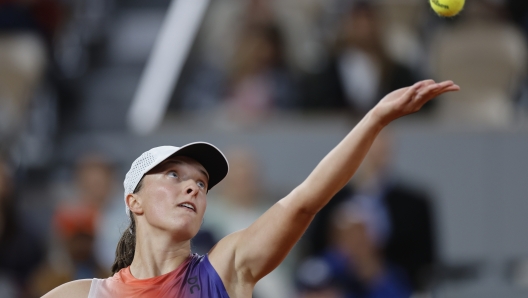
260,248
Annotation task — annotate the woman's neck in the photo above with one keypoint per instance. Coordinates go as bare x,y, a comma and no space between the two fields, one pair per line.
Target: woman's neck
155,256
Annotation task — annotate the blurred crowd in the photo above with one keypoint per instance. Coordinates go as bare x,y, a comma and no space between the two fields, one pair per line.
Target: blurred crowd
60,76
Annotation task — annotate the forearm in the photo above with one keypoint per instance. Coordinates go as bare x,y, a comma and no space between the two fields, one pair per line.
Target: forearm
338,166
334,171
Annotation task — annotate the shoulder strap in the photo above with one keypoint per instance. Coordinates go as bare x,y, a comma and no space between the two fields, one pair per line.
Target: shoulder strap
96,284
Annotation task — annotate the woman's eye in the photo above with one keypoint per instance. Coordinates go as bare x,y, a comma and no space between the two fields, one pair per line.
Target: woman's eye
173,174
201,184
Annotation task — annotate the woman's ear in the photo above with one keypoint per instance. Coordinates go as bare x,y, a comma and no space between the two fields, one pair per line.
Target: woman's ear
134,201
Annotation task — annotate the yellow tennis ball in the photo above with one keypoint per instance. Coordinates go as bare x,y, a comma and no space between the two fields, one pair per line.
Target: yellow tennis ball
447,8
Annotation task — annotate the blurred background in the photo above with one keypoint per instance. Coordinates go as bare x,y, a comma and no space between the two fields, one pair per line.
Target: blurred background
437,209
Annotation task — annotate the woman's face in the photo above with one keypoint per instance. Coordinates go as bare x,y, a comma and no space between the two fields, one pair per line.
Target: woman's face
173,196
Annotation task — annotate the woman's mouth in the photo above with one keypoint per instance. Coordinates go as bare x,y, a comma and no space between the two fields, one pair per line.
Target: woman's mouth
188,206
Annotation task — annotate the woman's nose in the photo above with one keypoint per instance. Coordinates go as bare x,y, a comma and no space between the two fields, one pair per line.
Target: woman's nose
191,188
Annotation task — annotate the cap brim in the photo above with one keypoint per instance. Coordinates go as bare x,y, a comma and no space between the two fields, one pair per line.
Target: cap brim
210,157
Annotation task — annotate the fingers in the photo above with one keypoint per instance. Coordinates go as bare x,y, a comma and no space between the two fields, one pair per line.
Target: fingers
451,88
432,90
411,91
428,82
446,88
427,86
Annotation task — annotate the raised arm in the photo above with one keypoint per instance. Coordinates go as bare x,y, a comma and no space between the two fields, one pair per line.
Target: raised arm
246,256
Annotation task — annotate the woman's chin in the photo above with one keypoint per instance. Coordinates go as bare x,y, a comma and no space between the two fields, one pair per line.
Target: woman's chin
185,230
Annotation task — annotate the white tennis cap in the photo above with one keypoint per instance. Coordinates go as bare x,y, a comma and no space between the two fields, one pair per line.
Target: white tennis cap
210,157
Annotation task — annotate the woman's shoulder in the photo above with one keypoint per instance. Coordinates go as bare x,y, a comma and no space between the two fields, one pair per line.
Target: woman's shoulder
77,288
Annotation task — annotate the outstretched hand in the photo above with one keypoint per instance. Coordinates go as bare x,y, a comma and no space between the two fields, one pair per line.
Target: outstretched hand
408,100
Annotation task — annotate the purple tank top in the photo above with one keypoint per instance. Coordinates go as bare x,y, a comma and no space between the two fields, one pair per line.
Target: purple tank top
195,278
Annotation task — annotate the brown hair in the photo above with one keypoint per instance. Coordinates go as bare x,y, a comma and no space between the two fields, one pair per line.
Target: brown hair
126,247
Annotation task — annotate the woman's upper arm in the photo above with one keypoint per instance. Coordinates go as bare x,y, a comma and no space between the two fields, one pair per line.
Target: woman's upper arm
75,289
248,255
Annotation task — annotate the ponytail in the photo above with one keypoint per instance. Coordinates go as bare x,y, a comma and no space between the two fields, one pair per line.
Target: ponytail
126,247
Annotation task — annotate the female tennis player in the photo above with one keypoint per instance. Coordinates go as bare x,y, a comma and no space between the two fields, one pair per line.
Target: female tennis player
165,196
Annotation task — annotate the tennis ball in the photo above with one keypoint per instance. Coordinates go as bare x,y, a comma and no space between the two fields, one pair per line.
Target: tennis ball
447,8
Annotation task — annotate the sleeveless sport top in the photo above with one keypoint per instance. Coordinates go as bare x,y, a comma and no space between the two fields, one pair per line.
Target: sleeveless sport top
196,277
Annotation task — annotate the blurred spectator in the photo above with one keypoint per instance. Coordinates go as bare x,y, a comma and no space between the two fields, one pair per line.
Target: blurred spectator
94,181
397,219
74,258
356,259
257,82
360,72
27,98
353,264
22,63
260,81
87,227
240,202
223,24
315,279
487,56
97,188
246,72
20,249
